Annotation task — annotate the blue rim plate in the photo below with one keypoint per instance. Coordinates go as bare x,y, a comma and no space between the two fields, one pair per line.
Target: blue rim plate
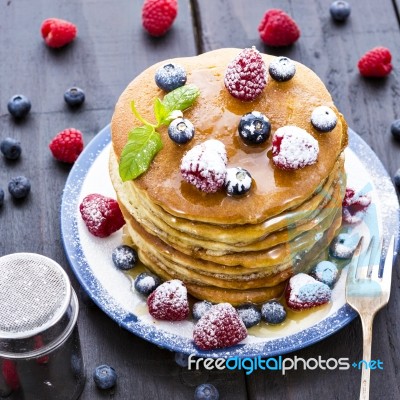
105,300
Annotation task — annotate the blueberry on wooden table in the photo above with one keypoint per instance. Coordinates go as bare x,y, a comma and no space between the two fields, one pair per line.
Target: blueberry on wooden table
340,10
395,129
74,96
1,197
206,391
105,377
11,148
19,187
19,106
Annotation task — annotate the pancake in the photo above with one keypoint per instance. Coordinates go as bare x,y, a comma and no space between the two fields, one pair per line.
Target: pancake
228,248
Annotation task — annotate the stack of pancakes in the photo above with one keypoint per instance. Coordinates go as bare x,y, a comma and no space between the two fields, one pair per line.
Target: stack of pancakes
231,249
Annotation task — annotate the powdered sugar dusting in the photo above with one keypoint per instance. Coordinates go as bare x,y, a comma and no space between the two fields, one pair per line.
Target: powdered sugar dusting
293,148
323,119
282,69
204,166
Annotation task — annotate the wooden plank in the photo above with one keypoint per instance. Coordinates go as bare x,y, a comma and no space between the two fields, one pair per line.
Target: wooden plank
332,50
111,48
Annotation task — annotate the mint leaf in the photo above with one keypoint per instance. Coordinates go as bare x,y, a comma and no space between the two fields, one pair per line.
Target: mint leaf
160,112
181,98
143,144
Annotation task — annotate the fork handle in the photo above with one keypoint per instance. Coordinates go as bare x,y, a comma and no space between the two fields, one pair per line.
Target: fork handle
366,322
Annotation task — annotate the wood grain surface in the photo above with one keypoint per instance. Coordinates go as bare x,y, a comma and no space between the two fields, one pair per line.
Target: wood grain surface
110,50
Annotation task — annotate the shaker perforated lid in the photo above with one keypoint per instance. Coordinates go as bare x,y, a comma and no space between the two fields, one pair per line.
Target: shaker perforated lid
35,297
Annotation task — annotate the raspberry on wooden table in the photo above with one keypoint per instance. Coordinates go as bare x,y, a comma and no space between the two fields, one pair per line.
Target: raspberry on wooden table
158,16
376,63
58,32
67,145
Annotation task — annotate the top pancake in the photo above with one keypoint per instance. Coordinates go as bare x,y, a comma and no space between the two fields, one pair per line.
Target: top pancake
216,114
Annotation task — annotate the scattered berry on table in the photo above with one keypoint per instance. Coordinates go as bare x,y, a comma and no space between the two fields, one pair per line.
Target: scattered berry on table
303,292
19,187
325,272
206,391
340,10
181,359
323,119
218,328
200,308
254,128
376,63
146,283
354,206
58,32
249,314
395,129
282,69
181,130
104,377
204,166
101,215
396,179
74,96
237,181
169,302
293,148
273,312
11,148
170,76
1,197
124,257
278,29
158,16
343,246
245,76
67,145
19,106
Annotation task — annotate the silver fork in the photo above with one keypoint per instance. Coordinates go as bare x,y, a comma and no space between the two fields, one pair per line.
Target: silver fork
367,291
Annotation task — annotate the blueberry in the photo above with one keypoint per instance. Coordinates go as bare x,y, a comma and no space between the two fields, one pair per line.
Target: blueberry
249,314
1,197
237,181
396,179
325,272
282,69
11,148
254,128
323,119
170,76
146,283
105,377
273,312
395,129
206,391
19,106
19,187
181,130
124,257
181,359
200,308
340,10
74,96
343,246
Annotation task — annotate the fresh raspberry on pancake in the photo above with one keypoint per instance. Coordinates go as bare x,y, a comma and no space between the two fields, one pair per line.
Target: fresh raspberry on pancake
245,77
303,292
169,302
220,327
204,166
278,29
354,206
293,148
101,215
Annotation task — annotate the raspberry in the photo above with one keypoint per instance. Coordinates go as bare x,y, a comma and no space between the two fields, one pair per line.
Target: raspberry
293,148
204,166
278,29
158,16
375,63
245,77
354,207
10,374
67,145
101,215
219,327
169,302
303,292
58,32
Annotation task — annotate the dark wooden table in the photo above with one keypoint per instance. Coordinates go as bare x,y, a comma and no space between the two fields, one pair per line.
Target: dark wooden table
110,50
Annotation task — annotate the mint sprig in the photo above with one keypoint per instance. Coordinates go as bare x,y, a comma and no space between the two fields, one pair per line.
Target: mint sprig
145,142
